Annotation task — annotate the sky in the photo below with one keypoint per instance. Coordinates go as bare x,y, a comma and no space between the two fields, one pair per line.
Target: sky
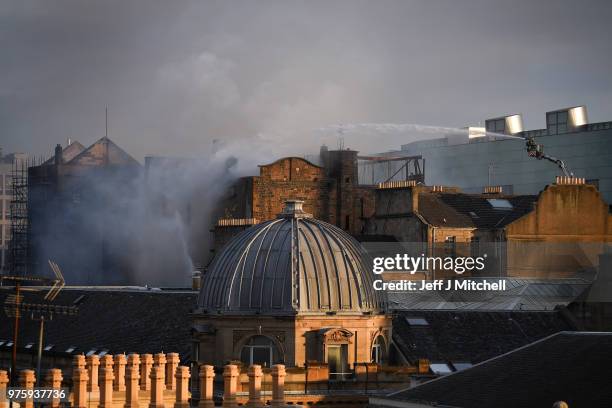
262,76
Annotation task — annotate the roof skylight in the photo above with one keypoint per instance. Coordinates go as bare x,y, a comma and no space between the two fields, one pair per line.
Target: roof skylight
500,203
460,366
440,368
417,321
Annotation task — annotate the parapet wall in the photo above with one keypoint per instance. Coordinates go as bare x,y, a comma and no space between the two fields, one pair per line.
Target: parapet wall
158,381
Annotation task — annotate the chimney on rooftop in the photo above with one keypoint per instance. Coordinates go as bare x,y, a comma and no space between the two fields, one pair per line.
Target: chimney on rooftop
493,190
58,154
573,181
196,282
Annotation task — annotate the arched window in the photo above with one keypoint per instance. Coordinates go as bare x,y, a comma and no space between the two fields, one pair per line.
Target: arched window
378,350
259,350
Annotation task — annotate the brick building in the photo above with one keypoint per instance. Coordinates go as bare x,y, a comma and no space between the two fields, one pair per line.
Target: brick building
77,211
559,233
330,192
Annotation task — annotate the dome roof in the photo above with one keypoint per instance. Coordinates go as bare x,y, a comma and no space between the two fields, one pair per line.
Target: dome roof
293,264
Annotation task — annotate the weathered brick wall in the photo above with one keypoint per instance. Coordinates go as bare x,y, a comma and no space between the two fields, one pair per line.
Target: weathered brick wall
269,196
293,169
291,178
330,194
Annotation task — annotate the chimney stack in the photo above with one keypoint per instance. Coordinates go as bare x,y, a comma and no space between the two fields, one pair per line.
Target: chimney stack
58,154
493,190
570,181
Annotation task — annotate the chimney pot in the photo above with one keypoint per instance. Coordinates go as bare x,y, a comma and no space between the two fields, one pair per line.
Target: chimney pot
196,279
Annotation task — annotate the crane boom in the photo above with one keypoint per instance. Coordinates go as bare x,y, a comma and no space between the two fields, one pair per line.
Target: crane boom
537,151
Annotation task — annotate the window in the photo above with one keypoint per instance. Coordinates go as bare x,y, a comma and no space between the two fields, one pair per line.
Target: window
378,350
259,350
450,245
556,122
475,246
70,349
496,125
337,361
29,345
48,347
90,352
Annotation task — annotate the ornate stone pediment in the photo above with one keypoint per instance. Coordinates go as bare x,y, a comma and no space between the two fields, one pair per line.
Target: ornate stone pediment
337,336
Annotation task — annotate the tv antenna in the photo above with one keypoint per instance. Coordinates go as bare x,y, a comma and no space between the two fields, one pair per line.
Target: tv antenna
15,307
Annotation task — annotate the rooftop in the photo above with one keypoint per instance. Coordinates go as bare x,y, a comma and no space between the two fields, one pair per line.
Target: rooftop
292,264
450,337
574,367
473,210
116,319
520,294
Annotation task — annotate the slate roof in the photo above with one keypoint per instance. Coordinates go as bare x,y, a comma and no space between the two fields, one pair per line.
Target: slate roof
104,152
119,320
520,294
572,367
68,153
471,336
472,210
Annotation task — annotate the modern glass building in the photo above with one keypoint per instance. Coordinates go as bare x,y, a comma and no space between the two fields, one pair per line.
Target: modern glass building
472,161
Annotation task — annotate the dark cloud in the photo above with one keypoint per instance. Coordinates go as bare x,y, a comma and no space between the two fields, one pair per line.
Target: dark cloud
177,74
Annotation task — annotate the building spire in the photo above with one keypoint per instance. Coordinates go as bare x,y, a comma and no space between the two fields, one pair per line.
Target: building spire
106,122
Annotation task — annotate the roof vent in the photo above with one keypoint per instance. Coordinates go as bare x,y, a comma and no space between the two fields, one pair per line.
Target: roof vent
493,190
294,209
566,120
508,125
570,181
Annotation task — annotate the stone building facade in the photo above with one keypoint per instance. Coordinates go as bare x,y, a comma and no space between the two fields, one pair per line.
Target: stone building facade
330,192
557,234
77,191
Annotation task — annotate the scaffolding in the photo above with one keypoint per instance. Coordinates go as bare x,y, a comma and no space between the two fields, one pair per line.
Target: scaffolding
374,170
19,226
